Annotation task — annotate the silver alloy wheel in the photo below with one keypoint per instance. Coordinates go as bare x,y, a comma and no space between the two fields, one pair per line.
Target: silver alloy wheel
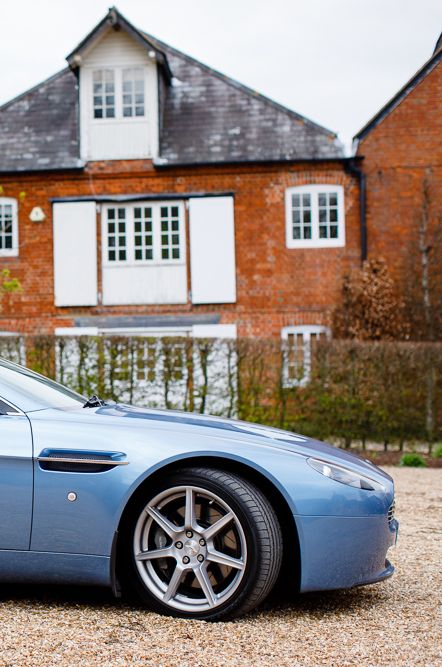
190,549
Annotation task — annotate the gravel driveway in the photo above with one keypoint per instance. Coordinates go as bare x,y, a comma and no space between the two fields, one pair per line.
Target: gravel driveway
395,623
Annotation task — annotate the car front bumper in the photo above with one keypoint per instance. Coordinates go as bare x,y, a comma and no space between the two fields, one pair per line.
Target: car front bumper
342,552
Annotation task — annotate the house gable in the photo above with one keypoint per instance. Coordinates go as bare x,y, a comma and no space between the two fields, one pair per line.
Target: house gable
197,115
402,94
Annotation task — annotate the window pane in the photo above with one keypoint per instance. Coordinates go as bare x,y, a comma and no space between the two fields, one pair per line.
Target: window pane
133,92
6,226
142,238
301,216
116,234
103,90
170,236
328,213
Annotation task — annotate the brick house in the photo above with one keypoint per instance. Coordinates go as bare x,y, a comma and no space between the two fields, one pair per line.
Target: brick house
401,147
143,192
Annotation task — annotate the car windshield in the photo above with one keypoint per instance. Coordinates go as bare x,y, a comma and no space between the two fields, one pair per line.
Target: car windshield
32,391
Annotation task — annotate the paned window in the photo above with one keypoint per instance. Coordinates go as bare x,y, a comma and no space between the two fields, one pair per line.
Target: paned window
315,216
302,216
298,343
328,215
104,93
143,233
119,93
8,227
116,234
133,92
170,232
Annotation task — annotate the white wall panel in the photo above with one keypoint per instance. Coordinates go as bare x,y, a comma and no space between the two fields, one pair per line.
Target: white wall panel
144,284
75,254
214,331
212,250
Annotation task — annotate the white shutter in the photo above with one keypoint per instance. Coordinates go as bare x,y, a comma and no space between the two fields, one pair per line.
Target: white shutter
212,250
214,331
75,254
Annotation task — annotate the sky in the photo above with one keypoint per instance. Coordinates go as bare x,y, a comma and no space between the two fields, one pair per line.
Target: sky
335,61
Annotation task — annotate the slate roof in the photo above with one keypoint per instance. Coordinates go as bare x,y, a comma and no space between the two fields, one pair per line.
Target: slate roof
209,117
39,129
206,118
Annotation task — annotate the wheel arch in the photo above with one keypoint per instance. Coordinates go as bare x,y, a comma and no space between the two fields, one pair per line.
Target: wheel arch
291,565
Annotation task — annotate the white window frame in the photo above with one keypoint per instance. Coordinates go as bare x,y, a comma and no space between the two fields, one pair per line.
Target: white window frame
315,241
11,252
118,94
156,233
307,331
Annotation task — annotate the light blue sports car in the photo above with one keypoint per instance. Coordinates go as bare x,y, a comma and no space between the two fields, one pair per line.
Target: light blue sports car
200,516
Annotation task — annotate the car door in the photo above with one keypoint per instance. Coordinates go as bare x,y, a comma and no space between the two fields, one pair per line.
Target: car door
16,478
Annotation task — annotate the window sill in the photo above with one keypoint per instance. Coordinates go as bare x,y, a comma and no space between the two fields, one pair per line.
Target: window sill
9,253
142,265
313,245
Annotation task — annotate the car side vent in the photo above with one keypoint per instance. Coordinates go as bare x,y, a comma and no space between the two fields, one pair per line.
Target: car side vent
83,462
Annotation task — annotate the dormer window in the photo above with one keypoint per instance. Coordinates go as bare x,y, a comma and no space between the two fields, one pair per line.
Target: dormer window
118,100
118,93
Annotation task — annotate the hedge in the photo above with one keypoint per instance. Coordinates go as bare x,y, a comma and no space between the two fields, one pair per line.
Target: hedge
357,391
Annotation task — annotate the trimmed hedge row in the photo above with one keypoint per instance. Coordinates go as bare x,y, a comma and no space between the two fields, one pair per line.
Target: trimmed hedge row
384,392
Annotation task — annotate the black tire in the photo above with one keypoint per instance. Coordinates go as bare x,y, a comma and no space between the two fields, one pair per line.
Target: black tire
253,532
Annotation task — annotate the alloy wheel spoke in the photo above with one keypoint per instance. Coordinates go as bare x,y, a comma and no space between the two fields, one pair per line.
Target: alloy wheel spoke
223,559
206,586
190,517
219,525
166,552
169,528
173,583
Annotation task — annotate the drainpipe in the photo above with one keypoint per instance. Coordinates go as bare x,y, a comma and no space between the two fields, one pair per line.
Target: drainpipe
356,171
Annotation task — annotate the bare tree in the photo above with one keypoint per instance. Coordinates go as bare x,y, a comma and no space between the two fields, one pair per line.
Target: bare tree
370,307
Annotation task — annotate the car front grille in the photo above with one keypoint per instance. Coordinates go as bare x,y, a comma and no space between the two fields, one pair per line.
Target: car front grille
391,509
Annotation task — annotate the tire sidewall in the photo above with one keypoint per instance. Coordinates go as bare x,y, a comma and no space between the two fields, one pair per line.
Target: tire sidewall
254,555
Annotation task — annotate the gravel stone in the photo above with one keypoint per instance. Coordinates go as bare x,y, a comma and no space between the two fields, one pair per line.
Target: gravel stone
398,622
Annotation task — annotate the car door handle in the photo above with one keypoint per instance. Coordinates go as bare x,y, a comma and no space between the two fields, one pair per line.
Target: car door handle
85,461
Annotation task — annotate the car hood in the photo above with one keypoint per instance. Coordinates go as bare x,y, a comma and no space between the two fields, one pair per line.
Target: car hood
237,430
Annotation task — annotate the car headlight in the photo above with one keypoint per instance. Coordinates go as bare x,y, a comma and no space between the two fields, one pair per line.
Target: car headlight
343,475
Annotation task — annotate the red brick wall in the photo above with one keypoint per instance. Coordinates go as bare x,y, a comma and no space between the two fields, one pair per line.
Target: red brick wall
276,286
399,153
